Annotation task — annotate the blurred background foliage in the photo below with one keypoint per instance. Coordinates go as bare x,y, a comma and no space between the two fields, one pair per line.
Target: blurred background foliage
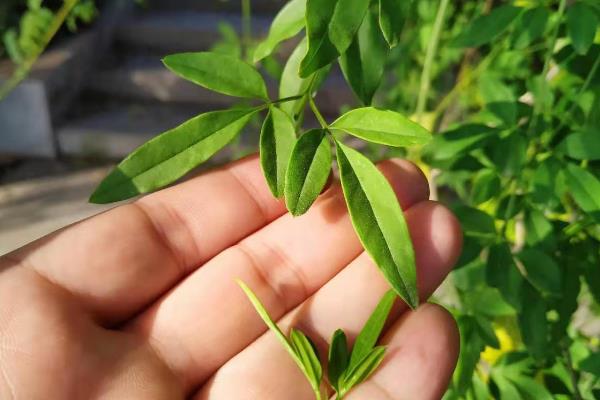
512,92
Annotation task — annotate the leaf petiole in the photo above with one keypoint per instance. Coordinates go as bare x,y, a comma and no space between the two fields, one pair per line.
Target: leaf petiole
317,113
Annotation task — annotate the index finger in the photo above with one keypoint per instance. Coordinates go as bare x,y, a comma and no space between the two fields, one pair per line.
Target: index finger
119,261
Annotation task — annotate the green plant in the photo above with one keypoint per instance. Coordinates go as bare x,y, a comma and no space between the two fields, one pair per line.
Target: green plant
512,90
347,368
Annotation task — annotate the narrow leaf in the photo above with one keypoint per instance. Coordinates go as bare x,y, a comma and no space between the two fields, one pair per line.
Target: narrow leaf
277,139
308,356
307,171
585,189
369,335
219,72
382,126
363,369
392,14
330,27
338,358
379,221
581,25
286,24
364,61
486,27
172,154
542,271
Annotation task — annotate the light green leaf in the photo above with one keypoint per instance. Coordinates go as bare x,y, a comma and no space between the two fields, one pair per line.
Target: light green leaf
307,171
277,139
306,351
539,230
392,14
486,184
172,154
581,25
363,369
369,335
541,270
287,23
330,28
487,27
585,189
338,358
581,146
364,61
220,73
379,221
382,126
530,26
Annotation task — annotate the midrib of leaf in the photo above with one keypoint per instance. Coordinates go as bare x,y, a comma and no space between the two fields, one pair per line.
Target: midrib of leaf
195,143
314,53
384,133
306,180
378,230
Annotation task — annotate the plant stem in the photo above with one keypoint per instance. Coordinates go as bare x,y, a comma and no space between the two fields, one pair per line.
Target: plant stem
286,99
429,57
246,29
23,70
317,113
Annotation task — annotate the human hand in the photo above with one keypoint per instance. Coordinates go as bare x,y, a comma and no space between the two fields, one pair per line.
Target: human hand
141,302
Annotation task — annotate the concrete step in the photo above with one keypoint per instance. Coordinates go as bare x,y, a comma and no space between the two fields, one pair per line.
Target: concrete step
146,79
178,31
116,132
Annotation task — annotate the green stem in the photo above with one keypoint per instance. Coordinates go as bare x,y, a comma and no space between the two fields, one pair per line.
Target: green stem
23,70
429,57
286,99
317,113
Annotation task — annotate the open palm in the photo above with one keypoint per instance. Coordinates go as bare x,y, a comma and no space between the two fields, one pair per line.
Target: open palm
141,301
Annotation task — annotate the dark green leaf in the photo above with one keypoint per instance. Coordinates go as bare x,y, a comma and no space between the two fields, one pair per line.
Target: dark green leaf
486,27
361,371
486,332
509,154
591,364
382,126
502,273
392,14
364,61
379,221
219,72
585,189
486,185
476,223
287,23
277,139
307,171
530,26
471,346
338,358
369,335
172,154
499,98
581,146
532,321
458,141
330,26
308,356
541,270
539,230
581,24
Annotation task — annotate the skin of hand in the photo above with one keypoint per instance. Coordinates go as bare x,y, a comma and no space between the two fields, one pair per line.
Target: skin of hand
140,302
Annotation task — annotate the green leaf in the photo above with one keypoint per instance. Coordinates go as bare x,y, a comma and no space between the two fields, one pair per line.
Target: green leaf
277,139
382,126
220,73
581,146
503,274
486,332
365,367
338,358
486,28
306,351
499,98
541,270
532,321
486,185
262,312
476,223
364,61
458,141
581,25
392,14
330,27
539,230
591,364
292,84
287,23
369,335
307,172
379,221
530,27
585,189
471,346
172,154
